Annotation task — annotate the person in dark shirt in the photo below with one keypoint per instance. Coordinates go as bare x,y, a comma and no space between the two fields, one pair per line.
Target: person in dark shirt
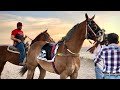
17,35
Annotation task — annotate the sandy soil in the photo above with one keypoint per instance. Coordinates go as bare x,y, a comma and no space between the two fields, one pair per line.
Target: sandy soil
86,71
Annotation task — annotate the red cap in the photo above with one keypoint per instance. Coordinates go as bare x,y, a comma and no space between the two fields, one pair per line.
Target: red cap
19,24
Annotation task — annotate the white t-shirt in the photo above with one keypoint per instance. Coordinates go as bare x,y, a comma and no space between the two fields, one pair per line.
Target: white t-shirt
96,52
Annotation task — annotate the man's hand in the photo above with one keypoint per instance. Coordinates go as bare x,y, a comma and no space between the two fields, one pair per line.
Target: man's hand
19,40
25,36
15,39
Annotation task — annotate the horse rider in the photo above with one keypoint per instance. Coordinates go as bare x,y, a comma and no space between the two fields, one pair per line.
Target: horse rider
17,35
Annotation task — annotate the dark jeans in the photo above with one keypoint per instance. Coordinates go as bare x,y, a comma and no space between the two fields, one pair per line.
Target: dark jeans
21,48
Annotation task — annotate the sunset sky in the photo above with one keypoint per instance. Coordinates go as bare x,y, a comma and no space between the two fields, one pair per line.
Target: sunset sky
58,23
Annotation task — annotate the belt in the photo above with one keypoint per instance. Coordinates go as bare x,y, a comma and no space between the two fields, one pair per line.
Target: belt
117,73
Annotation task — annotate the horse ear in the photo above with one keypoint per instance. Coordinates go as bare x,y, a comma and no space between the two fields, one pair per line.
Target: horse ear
86,16
93,17
45,31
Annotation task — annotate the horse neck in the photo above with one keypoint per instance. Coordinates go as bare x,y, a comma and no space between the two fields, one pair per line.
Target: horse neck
38,38
78,37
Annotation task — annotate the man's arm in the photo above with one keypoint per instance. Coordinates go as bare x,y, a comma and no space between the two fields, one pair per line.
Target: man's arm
15,39
98,57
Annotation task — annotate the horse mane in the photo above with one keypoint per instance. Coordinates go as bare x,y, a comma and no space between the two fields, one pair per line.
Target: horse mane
70,33
36,38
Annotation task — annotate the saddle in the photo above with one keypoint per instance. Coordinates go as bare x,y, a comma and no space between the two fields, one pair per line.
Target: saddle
13,49
48,52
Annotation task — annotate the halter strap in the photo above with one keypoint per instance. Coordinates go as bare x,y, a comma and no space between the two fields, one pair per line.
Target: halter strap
87,25
91,30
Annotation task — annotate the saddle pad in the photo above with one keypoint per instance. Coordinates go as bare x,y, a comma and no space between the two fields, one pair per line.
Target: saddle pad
13,49
45,53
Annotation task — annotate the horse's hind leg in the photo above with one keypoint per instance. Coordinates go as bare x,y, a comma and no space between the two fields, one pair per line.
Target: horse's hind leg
1,67
42,72
31,70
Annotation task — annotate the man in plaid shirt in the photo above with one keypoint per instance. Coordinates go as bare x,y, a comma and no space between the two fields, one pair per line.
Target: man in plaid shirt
111,57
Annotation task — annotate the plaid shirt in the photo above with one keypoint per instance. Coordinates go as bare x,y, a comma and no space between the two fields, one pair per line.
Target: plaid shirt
111,57
96,52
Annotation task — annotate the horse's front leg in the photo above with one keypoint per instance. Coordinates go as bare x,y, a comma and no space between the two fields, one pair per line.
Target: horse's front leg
74,75
64,75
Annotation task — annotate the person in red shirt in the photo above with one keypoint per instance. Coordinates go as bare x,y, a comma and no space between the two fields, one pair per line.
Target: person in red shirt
17,35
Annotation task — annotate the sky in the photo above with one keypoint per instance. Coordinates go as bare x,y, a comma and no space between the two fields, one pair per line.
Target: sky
58,23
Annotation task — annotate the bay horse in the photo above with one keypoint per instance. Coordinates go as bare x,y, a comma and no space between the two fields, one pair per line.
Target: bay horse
67,60
7,56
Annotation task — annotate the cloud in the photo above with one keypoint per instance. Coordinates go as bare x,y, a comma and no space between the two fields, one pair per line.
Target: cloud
32,26
57,25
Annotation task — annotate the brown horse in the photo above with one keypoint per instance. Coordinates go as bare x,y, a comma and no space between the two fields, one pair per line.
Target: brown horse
13,58
67,60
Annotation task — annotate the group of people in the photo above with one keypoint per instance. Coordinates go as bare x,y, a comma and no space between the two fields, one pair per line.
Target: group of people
107,58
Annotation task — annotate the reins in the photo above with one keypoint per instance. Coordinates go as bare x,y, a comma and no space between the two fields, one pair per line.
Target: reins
29,38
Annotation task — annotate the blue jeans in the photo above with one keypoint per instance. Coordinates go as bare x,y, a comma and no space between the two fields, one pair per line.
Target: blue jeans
111,76
21,48
99,73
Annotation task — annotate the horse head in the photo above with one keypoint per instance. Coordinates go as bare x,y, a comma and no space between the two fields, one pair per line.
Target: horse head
46,36
43,36
93,31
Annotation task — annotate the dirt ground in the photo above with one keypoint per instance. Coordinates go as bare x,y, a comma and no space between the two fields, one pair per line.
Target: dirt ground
86,71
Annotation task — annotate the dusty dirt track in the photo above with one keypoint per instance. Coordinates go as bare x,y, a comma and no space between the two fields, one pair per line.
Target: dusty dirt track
86,71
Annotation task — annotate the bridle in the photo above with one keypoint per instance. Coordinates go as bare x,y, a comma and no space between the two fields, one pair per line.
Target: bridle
88,28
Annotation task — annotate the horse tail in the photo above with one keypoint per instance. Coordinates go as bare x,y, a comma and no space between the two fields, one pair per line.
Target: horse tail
23,70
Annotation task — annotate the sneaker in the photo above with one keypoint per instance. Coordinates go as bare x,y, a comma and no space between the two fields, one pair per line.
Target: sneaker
21,64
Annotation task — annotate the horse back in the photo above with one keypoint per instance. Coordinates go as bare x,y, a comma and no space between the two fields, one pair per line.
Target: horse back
5,55
3,50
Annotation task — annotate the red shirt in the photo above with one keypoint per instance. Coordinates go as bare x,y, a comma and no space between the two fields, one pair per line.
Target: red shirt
16,32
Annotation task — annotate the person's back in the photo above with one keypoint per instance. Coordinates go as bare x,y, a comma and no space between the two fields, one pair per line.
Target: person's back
111,56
